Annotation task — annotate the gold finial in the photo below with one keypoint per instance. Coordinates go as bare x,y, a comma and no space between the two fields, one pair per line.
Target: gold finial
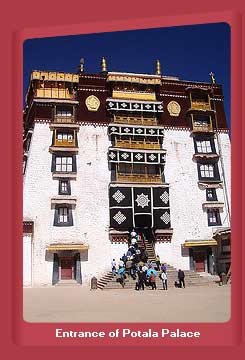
158,67
103,65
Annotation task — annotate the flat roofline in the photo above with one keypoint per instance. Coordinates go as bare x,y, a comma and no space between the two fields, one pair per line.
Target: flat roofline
133,74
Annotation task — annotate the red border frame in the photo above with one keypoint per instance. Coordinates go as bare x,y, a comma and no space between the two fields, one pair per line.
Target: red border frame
31,21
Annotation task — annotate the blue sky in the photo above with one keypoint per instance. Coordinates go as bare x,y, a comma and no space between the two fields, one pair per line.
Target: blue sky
189,52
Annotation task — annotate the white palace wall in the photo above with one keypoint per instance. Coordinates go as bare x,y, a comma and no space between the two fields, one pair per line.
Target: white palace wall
91,214
188,219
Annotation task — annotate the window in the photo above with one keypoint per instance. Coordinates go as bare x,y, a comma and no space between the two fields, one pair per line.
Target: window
213,217
63,216
199,97
139,169
208,171
64,163
201,121
64,113
64,187
211,194
203,146
64,137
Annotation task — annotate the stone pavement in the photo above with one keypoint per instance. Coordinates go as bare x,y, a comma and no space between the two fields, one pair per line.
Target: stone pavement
80,304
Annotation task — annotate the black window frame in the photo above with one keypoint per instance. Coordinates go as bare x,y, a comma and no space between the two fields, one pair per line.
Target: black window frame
57,214
74,163
212,144
216,176
210,212
68,191
213,193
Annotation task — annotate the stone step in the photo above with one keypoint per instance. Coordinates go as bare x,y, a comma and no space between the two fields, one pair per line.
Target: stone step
67,283
191,279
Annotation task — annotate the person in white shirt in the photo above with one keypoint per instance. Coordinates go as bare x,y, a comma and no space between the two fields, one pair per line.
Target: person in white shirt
113,267
133,241
121,263
164,278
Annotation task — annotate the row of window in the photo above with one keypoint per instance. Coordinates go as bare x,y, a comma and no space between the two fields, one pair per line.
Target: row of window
206,172
63,216
67,163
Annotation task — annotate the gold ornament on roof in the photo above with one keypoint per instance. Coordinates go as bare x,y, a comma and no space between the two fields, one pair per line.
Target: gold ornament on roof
103,64
174,108
158,67
92,103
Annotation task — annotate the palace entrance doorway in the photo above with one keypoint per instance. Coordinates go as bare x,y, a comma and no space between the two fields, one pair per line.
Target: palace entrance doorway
200,260
66,266
143,221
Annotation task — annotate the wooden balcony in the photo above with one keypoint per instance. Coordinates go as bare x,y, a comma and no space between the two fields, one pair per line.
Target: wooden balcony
139,178
65,143
137,95
202,128
54,93
135,120
132,144
64,119
200,105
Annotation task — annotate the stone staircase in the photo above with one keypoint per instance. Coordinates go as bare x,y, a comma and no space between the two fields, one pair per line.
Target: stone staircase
192,278
108,281
67,283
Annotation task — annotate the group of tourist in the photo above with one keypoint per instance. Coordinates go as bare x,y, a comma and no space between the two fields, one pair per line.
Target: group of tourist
135,263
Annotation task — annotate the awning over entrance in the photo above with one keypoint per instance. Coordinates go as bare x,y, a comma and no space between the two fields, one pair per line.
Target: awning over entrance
60,247
191,243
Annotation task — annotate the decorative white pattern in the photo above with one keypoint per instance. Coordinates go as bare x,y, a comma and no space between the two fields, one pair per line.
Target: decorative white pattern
110,104
119,217
164,197
160,107
148,106
151,131
126,130
136,106
125,156
118,196
142,200
112,155
124,105
152,157
113,129
139,156
165,217
139,131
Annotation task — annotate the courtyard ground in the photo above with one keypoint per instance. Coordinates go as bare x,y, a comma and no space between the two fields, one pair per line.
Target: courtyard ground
80,304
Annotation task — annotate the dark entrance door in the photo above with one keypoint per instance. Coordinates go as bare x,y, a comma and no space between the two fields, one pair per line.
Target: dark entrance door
142,221
66,268
200,261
